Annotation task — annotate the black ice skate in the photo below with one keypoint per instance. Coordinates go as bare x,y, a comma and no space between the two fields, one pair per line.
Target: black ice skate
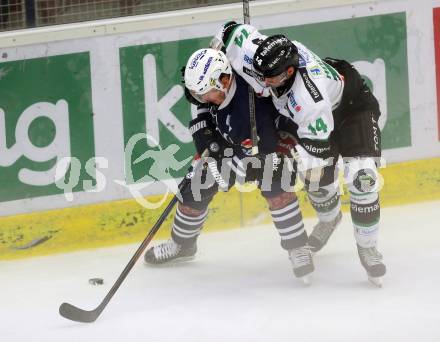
371,259
321,233
169,252
302,262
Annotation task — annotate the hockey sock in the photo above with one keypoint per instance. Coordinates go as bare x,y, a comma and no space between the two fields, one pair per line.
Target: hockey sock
365,214
289,224
362,178
186,228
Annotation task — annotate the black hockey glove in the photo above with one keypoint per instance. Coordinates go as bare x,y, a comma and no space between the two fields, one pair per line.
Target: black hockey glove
205,136
283,123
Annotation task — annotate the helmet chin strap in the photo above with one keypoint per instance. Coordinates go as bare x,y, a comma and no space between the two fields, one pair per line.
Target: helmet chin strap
282,89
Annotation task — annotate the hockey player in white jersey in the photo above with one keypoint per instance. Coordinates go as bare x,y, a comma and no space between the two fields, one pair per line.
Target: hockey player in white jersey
332,113
209,79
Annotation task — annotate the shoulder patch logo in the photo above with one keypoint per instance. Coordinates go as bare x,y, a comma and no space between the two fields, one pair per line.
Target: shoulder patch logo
316,71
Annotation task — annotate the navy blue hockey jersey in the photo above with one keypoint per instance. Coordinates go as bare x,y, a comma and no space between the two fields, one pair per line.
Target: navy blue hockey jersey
232,119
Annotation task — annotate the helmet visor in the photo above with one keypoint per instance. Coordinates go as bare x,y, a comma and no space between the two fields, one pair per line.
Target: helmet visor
275,79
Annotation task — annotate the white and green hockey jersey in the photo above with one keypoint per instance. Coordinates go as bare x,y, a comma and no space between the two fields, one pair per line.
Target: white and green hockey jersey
314,94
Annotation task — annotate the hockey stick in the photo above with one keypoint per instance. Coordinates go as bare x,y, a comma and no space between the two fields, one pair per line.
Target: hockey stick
74,313
252,120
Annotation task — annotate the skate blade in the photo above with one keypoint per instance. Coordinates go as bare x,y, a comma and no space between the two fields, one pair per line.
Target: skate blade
376,281
306,280
172,263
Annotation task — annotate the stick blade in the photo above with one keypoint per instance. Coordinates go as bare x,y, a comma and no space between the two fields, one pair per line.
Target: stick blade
76,314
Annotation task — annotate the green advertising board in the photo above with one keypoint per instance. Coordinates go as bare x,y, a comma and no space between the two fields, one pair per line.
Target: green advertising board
150,66
162,112
45,114
46,103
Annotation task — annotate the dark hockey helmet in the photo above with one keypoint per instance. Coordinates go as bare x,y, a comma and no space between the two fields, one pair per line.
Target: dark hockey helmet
274,55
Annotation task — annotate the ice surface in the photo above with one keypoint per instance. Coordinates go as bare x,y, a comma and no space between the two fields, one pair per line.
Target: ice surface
239,288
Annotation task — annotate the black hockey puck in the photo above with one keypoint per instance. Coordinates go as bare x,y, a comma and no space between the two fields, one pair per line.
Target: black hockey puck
96,281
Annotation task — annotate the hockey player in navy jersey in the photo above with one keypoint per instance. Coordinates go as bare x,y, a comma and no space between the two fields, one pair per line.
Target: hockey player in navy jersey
223,122
332,113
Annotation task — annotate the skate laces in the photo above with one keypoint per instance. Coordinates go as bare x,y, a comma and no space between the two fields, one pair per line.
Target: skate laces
370,255
166,250
300,256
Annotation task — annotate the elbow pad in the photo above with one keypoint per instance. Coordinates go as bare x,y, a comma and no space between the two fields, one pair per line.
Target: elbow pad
318,148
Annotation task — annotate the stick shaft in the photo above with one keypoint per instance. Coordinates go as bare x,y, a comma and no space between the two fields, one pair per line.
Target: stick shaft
251,95
246,14
142,247
76,314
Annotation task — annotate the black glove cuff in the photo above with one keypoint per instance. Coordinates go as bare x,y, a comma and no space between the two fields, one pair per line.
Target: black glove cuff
203,132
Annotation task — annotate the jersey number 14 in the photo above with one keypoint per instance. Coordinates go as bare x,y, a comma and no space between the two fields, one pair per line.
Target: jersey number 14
319,126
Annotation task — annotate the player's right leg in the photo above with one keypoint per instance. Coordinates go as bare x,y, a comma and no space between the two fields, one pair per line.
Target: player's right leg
287,218
188,222
325,199
182,246
362,177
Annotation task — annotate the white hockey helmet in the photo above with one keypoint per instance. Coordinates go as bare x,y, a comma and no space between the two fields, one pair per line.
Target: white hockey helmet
203,71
